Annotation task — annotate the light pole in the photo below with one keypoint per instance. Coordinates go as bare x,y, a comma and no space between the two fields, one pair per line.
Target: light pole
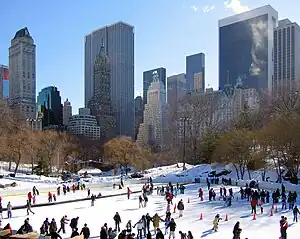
184,119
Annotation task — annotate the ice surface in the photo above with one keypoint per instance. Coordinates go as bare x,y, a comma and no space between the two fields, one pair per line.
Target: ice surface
264,227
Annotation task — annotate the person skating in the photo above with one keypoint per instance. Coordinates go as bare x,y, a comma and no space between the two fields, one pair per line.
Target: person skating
25,228
111,233
75,233
295,213
117,220
144,225
180,208
74,223
148,221
283,227
182,235
93,198
28,208
167,222
237,231
216,222
128,227
89,192
8,227
29,196
9,210
159,234
145,200
128,193
46,223
63,221
172,225
139,226
85,231
53,230
103,233
190,235
49,197
141,201
156,219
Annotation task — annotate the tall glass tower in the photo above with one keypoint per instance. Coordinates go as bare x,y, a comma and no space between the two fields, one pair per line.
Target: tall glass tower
245,49
118,42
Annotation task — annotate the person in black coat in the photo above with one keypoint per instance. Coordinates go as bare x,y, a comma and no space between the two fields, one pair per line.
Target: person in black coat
148,221
75,233
159,234
85,231
74,223
25,228
117,220
237,231
103,233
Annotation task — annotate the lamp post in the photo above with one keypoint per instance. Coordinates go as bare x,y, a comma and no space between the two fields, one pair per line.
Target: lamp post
184,119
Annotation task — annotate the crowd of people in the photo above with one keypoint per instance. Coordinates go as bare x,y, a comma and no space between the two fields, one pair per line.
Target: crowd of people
255,196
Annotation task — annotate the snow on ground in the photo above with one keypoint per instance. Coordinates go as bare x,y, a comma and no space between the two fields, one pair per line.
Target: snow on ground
104,210
201,171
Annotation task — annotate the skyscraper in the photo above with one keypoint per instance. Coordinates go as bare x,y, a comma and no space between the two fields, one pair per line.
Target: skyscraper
67,112
195,72
176,88
50,107
118,40
153,130
245,49
100,104
148,78
22,74
4,82
286,56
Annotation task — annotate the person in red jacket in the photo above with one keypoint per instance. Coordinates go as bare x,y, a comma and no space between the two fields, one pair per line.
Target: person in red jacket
128,192
253,206
49,197
29,195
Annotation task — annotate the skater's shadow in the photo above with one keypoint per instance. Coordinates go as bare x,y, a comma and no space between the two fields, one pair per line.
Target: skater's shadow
291,224
132,209
78,208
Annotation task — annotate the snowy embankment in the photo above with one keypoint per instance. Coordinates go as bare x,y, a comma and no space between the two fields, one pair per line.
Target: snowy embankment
172,173
201,172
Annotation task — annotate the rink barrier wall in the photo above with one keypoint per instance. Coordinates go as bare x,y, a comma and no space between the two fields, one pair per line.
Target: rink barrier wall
71,201
44,191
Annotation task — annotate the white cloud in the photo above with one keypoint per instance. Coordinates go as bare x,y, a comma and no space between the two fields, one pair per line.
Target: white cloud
205,9
236,6
195,8
208,8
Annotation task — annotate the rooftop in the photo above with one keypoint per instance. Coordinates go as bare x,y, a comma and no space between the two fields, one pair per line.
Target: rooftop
22,33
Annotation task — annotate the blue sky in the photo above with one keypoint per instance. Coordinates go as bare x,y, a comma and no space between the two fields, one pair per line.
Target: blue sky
165,32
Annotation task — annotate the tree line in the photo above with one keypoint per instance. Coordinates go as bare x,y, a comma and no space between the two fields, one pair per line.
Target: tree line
267,138
49,151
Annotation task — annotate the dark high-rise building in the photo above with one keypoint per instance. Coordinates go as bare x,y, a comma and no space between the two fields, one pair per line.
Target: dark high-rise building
245,49
148,78
118,40
195,72
50,107
176,89
100,104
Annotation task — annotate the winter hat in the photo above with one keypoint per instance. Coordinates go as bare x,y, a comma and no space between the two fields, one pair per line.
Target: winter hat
85,224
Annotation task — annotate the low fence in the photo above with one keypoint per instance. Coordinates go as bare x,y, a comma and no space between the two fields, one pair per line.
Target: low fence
71,201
